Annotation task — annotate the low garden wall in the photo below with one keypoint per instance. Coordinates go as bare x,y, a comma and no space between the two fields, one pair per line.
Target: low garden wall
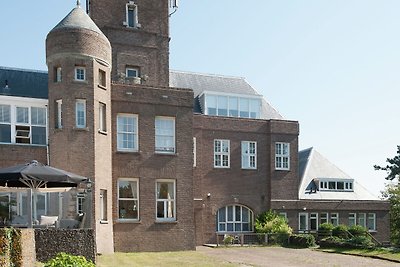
49,242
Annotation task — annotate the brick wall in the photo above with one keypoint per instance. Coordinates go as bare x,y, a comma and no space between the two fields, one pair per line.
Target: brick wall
11,155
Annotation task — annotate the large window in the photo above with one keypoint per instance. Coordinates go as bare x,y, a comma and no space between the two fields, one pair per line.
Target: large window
165,195
5,124
127,132
221,153
235,218
165,135
232,106
249,155
80,113
128,199
282,156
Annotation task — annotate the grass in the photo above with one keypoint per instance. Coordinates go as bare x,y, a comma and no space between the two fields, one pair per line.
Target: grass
381,253
182,258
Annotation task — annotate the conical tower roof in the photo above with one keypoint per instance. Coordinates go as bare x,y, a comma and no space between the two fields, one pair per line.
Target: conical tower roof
77,19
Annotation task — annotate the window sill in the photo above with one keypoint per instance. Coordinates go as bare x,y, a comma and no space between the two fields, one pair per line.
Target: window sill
279,169
102,87
372,231
22,144
80,81
128,152
165,153
166,222
81,129
125,221
103,222
222,167
249,169
102,132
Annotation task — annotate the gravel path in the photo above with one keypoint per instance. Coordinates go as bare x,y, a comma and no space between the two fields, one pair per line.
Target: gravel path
277,256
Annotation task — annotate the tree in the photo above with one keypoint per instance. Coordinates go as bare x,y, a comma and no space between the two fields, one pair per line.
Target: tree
392,168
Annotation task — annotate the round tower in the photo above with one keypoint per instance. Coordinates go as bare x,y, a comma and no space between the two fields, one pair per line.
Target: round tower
78,57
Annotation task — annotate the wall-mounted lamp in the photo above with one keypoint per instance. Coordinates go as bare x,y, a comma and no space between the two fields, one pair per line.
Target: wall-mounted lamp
209,195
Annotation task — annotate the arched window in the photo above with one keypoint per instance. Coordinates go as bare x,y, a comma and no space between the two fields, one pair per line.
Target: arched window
234,218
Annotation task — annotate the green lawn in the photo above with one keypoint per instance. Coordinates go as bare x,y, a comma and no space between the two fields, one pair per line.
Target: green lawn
185,258
381,253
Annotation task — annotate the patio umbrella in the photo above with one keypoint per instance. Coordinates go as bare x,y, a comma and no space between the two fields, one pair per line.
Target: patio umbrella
35,175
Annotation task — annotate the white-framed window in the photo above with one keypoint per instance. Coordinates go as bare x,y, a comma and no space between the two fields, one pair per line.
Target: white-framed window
232,106
362,219
282,156
38,126
128,199
352,219
326,184
57,74
314,221
335,219
80,200
303,221
132,72
132,15
102,78
249,155
234,218
102,117
371,222
80,74
221,153
323,217
5,124
165,134
58,116
194,152
22,128
165,200
103,205
127,132
80,113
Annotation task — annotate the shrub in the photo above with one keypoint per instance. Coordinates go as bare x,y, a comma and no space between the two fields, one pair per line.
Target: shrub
331,241
274,225
302,240
340,231
228,239
326,227
63,259
357,230
363,241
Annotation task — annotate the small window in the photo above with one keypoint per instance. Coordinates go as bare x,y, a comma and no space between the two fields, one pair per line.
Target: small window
335,219
221,153
371,223
303,222
80,200
132,72
324,218
313,221
80,74
80,113
127,132
103,205
249,155
5,124
194,152
132,15
58,116
102,117
165,135
165,199
102,78
38,122
352,219
57,74
128,199
282,156
362,219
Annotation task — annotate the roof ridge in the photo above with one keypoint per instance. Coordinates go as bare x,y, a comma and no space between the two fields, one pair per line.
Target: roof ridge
208,74
25,70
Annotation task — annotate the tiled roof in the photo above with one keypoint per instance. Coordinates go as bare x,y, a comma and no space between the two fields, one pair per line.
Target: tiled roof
24,83
200,83
312,165
77,19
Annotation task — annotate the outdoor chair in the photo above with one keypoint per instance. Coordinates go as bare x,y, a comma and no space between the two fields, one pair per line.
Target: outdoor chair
77,223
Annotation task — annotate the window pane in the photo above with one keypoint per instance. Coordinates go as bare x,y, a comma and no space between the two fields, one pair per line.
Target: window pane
5,133
238,213
244,107
222,215
230,213
22,115
127,189
222,105
5,113
233,107
211,102
38,135
128,209
38,116
255,108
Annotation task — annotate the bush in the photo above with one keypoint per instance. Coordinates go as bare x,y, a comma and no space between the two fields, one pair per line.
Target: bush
228,240
362,241
302,240
340,231
63,259
332,241
270,222
326,227
357,230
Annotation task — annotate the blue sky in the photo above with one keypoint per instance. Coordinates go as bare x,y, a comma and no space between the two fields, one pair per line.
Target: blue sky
332,65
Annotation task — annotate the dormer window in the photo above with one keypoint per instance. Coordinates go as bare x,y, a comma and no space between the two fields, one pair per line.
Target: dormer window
335,185
131,15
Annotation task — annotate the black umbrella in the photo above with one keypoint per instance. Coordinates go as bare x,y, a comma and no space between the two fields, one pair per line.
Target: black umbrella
36,175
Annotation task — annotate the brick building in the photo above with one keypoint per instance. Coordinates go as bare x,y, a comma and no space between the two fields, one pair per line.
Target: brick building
174,156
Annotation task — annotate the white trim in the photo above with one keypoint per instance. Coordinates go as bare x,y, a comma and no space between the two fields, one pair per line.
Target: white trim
231,94
247,154
222,153
282,156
